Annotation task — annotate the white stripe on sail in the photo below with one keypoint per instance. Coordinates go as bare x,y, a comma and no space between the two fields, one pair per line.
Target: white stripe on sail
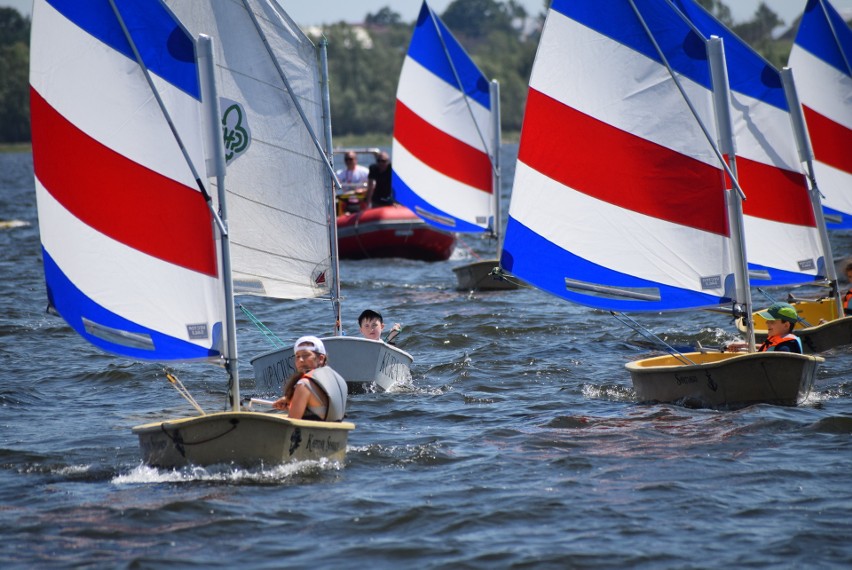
443,106
603,89
126,281
764,133
444,193
774,244
602,234
822,87
78,80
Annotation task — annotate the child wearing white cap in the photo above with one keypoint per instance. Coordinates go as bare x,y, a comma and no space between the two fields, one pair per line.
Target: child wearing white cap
315,391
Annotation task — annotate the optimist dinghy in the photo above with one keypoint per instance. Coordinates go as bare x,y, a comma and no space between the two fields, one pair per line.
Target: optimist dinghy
627,100
140,255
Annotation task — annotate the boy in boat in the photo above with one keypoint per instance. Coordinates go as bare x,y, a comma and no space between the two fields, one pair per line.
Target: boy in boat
781,319
371,324
847,298
315,391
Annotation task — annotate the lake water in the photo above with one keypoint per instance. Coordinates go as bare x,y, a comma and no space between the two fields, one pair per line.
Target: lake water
517,444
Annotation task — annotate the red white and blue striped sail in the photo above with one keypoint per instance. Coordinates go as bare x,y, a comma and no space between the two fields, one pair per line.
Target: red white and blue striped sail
821,60
443,134
619,199
780,227
130,256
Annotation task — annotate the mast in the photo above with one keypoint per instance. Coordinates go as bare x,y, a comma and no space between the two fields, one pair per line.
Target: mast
806,155
734,196
494,89
334,286
210,100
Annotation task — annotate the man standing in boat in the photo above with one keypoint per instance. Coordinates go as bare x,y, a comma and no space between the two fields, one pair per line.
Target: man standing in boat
354,174
315,391
379,190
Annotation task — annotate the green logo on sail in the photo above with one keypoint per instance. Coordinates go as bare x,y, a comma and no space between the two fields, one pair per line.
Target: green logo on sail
235,130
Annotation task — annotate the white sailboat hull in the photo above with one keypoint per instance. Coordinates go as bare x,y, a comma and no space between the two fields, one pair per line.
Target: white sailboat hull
725,380
363,363
477,277
247,439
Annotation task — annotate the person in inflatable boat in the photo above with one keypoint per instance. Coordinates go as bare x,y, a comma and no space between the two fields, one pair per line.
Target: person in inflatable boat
315,391
781,319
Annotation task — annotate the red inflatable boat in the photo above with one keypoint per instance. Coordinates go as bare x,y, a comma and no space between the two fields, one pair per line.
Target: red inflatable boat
392,231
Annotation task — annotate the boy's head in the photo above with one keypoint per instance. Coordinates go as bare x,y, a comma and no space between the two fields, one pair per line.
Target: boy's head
782,315
371,324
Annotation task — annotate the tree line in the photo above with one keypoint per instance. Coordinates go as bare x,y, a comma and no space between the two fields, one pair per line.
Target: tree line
364,60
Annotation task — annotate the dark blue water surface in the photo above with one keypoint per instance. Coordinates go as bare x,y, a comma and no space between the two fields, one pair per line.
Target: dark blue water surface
517,444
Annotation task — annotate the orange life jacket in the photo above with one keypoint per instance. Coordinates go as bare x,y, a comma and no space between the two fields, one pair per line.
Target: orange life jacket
847,301
771,342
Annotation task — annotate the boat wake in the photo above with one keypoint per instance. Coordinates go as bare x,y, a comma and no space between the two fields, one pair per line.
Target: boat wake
144,474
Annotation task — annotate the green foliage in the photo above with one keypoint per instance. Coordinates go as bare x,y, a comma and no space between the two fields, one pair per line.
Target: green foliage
14,28
14,77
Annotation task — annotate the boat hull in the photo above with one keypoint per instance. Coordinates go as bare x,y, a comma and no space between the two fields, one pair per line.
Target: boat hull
364,364
725,380
831,333
247,439
392,231
477,277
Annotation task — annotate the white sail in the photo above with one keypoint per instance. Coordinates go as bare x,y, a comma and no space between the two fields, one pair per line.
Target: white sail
278,186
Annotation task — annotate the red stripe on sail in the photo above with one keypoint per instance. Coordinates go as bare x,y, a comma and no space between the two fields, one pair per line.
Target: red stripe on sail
831,141
118,197
620,168
440,151
775,193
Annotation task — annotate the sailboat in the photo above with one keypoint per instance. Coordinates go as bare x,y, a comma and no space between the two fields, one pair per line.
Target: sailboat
626,102
138,256
446,142
821,59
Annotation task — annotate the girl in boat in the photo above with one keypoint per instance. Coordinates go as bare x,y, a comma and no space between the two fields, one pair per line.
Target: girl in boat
315,391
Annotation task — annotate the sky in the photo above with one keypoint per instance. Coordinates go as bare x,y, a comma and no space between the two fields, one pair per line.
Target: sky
315,12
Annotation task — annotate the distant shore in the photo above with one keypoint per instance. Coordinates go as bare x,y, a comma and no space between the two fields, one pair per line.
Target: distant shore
16,147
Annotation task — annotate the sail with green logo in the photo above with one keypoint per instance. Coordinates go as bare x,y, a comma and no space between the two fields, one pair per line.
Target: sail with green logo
278,179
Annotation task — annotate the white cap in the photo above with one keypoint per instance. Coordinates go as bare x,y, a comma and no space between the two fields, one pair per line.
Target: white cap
311,343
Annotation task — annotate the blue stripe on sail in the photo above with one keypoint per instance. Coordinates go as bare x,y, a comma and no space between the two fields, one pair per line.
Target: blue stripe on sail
815,35
542,263
748,72
836,220
427,50
74,306
781,277
166,48
683,47
405,195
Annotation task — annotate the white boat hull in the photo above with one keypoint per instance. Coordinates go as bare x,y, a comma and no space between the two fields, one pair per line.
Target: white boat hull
477,277
363,363
243,438
725,380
